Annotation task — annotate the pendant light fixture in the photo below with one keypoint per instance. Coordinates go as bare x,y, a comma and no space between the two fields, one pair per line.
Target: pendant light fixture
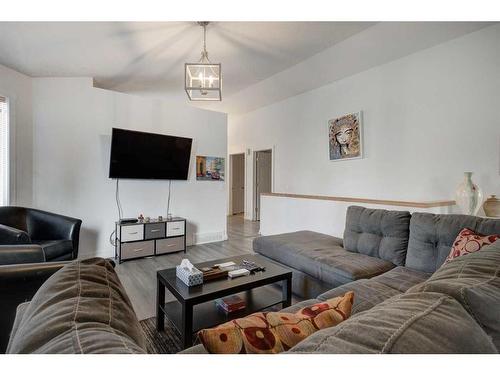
203,80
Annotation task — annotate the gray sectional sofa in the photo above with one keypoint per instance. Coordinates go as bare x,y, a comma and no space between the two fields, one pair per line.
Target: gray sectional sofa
404,301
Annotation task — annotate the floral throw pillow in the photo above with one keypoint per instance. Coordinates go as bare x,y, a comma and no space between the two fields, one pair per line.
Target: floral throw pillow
275,332
468,242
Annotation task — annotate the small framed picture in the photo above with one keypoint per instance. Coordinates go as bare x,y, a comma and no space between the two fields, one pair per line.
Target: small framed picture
210,168
345,139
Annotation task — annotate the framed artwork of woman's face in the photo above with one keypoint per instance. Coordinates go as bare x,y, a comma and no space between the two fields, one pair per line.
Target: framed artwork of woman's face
345,137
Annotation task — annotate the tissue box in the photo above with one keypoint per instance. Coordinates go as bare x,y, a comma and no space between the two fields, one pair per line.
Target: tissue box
190,278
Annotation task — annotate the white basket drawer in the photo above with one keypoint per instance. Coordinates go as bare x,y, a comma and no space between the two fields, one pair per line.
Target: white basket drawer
175,228
137,249
132,233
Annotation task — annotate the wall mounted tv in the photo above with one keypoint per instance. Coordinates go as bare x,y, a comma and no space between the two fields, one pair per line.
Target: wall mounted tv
142,155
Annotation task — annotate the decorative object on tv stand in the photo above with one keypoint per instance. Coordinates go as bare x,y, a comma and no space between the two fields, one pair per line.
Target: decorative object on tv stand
468,195
210,168
203,80
491,206
189,274
345,137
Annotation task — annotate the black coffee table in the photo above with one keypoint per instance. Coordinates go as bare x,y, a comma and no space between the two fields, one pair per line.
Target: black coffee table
195,307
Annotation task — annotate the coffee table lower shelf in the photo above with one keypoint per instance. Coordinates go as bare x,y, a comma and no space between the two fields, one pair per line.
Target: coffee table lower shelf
207,314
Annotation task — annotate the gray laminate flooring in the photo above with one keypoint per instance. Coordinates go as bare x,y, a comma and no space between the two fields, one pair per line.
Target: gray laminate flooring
139,276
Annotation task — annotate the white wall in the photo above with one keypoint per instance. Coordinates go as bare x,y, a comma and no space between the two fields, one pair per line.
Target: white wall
17,88
428,117
72,135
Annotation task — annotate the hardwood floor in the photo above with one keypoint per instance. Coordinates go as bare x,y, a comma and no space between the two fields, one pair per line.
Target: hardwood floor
139,276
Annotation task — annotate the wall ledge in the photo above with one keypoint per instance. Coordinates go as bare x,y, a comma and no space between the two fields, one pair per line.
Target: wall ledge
425,204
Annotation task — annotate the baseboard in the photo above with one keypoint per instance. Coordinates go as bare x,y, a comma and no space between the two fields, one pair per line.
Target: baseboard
201,238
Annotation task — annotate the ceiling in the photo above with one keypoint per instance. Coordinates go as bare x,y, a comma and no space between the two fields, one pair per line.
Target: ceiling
262,62
150,56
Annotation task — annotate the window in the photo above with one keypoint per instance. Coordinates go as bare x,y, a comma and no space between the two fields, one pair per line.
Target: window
4,151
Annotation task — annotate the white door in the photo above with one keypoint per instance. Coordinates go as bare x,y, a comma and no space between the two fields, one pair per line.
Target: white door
238,183
263,176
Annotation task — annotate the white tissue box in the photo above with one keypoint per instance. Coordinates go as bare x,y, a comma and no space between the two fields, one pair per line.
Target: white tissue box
190,278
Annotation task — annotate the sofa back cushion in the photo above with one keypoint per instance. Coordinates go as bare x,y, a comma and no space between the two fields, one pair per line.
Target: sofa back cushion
474,281
432,236
82,308
377,233
416,323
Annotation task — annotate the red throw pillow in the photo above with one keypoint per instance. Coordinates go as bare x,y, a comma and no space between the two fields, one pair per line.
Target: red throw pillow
468,242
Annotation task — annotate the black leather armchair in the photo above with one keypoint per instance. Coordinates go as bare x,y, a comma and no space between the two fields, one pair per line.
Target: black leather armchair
22,229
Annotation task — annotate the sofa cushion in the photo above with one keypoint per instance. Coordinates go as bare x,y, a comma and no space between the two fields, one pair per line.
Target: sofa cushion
432,236
474,281
56,248
377,233
275,332
320,256
367,293
402,278
20,310
407,323
197,349
200,349
82,308
468,242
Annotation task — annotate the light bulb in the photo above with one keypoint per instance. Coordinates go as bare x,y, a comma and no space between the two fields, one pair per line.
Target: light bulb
211,81
202,81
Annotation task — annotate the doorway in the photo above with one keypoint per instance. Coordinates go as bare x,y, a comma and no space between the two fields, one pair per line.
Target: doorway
263,177
237,184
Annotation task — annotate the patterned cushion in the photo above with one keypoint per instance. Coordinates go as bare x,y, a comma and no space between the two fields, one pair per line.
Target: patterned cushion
468,242
275,332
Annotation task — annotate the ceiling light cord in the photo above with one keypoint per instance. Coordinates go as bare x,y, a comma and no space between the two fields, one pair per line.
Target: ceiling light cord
204,53
205,38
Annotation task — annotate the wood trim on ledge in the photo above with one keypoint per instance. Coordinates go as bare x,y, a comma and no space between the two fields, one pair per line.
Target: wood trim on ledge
365,200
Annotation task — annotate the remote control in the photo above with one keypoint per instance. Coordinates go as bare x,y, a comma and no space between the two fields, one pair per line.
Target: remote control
238,273
227,264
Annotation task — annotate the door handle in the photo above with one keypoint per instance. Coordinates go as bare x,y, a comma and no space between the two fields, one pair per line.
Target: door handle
154,230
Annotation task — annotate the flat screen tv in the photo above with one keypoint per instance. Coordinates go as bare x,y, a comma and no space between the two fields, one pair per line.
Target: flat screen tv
142,155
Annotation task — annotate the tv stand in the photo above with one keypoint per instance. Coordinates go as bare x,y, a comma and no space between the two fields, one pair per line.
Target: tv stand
141,239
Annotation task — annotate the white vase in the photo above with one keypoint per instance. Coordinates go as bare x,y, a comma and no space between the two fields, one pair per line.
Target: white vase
468,195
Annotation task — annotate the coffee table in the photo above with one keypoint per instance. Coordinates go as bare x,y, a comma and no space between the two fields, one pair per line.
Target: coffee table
195,308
